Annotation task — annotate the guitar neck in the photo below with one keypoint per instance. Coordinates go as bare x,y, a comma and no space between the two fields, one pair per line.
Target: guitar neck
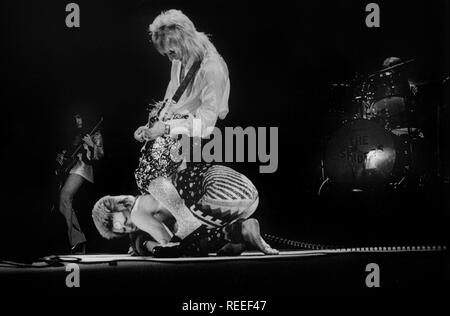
78,148
153,118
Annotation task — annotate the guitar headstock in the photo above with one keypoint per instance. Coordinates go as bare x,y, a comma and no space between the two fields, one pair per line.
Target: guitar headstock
155,105
154,109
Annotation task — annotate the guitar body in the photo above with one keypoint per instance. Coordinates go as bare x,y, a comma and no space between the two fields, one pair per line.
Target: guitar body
71,158
155,109
153,116
61,171
160,157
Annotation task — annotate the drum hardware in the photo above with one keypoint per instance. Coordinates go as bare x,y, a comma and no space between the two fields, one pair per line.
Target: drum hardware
383,96
397,184
387,69
319,192
322,169
441,114
377,145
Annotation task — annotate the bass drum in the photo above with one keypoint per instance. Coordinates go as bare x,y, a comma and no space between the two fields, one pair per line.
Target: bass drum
360,155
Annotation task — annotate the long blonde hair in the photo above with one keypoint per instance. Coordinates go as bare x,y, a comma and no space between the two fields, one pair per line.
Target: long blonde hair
176,28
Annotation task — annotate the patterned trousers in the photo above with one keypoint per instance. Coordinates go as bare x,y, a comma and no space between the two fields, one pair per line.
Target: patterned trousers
215,194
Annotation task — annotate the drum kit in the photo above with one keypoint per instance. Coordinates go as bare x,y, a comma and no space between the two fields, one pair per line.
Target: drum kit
377,144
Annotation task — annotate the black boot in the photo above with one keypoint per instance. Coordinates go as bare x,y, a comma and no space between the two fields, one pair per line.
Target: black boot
203,241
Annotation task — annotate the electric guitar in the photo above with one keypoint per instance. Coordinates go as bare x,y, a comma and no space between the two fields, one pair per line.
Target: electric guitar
153,116
71,158
156,108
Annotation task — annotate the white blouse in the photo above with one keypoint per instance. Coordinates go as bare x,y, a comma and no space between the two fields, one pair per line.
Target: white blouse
206,98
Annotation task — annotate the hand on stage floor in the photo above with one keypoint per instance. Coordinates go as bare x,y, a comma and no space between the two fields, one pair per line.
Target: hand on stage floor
144,133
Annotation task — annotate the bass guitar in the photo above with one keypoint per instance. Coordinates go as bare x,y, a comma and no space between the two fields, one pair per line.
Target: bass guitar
71,158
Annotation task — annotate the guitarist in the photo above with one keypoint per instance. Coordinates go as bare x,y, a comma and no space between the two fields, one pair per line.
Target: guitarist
82,171
198,90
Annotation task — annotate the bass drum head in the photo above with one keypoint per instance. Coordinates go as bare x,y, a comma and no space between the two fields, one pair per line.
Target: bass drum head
360,155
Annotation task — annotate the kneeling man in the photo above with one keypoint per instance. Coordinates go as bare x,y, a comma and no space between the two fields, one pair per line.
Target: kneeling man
219,203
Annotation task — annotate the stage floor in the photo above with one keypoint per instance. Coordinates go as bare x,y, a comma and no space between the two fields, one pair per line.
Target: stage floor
251,276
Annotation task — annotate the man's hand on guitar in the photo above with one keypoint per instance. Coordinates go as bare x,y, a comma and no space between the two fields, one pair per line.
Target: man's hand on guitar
158,129
60,157
88,140
140,133
143,133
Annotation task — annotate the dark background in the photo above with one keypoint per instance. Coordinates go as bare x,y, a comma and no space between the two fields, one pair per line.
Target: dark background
283,58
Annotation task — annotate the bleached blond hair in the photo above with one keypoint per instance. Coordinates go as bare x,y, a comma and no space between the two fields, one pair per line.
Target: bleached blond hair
102,214
175,28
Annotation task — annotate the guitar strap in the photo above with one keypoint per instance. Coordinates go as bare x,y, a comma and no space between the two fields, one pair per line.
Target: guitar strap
73,155
190,75
178,93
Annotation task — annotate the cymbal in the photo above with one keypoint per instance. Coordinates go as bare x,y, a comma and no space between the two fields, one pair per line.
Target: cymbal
341,84
391,67
421,83
436,81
